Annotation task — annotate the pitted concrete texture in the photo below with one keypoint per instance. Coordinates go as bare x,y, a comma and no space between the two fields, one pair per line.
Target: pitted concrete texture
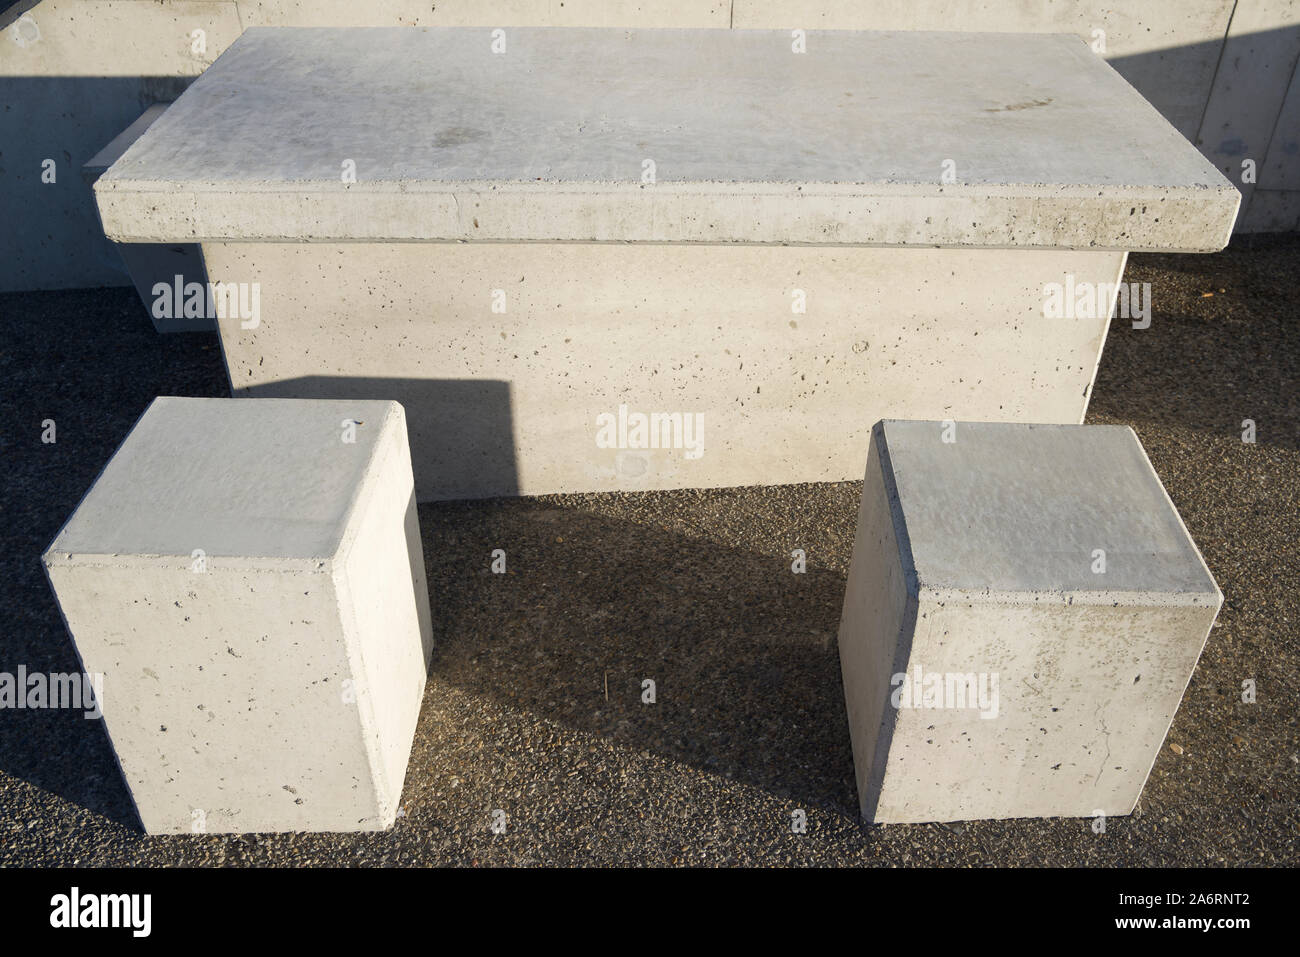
238,480
249,581
1023,613
907,138
508,357
1012,507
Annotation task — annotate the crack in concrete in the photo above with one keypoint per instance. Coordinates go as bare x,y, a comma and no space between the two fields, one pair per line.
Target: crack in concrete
1105,732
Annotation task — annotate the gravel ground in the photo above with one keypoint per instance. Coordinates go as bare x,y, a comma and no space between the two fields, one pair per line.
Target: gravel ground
533,704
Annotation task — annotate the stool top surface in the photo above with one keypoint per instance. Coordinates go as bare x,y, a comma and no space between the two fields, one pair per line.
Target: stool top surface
880,138
1014,509
236,478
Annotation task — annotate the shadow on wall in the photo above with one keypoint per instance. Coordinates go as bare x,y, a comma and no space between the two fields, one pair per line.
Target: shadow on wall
1246,115
16,10
465,424
50,127
1176,81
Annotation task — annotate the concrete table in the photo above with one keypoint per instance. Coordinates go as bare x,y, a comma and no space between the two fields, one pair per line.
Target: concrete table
248,579
1023,612
593,259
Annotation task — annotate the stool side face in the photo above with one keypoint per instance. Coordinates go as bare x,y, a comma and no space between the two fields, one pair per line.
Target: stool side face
384,607
874,630
1042,510
271,479
225,695
1035,711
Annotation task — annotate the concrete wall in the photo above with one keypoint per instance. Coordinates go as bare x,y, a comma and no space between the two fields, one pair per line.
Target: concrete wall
74,73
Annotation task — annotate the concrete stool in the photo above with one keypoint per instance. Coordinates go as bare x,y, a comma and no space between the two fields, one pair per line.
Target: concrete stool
593,260
1023,613
248,578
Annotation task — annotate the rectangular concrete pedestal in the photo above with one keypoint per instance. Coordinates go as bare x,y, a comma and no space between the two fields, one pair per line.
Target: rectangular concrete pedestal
514,402
248,578
1023,612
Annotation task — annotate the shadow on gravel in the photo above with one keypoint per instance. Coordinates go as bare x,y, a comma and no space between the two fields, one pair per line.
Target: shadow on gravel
90,361
1223,345
741,650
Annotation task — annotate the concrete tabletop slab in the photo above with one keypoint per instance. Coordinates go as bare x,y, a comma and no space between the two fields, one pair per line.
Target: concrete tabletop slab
111,153
551,140
266,479
1017,511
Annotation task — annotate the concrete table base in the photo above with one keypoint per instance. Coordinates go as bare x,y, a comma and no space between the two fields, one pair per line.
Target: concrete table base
248,579
519,401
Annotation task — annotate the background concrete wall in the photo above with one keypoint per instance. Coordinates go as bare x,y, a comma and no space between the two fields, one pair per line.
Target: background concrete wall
75,73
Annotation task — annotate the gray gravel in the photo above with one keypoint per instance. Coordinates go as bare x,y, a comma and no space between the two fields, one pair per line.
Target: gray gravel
533,704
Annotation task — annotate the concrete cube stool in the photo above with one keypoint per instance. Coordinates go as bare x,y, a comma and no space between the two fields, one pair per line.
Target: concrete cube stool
248,578
1024,611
